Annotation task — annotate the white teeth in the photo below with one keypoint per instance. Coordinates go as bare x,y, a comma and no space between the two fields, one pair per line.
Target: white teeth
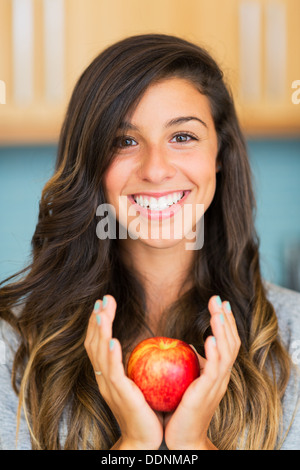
160,203
170,199
153,203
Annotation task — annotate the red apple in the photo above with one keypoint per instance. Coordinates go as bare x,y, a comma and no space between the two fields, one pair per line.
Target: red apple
163,368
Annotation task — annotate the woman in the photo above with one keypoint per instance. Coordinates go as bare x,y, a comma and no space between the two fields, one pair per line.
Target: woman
150,130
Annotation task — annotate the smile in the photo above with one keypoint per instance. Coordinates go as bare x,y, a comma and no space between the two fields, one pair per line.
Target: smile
164,205
160,203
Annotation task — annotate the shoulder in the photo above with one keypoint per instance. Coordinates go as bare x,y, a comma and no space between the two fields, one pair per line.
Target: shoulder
286,303
283,296
9,341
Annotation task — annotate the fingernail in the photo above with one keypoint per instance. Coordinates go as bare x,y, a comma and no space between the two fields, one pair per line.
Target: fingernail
98,319
97,306
111,344
214,342
104,301
222,319
228,307
219,301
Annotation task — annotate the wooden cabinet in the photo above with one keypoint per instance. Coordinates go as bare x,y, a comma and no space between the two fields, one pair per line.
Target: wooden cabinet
46,44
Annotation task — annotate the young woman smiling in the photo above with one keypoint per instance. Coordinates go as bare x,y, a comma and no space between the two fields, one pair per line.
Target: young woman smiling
151,128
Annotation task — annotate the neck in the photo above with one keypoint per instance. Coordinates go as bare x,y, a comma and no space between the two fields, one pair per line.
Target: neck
162,272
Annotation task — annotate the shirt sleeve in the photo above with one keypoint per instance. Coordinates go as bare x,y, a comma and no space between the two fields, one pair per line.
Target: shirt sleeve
8,398
287,306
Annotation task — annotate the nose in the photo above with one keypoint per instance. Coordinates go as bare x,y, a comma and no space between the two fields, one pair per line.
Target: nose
156,165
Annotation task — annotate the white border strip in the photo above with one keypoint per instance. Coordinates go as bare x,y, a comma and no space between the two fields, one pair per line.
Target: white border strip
54,28
2,92
276,44
23,60
250,50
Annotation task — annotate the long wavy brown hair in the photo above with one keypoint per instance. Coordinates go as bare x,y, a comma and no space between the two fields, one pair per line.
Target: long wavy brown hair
71,267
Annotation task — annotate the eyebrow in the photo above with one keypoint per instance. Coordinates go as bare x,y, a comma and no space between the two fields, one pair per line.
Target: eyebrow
173,122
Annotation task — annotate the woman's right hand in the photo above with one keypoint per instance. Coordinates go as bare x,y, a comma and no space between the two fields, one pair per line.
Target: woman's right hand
140,426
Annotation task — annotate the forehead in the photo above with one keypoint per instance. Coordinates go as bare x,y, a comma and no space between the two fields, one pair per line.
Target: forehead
168,99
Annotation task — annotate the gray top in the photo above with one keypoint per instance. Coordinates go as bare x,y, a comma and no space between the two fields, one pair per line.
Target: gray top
287,306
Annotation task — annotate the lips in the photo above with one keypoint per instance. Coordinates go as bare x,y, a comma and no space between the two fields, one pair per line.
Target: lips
158,194
159,205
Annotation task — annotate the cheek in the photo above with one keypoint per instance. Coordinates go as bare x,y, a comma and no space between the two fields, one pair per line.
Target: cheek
203,176
202,171
114,180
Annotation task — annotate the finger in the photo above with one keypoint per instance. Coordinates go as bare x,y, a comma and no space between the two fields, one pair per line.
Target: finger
111,373
216,309
212,364
122,389
219,377
220,329
109,306
210,373
101,342
215,305
99,332
116,373
235,338
105,324
218,321
207,385
115,362
91,329
231,337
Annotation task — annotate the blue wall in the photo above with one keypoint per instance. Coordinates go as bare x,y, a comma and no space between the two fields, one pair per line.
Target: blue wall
276,168
23,173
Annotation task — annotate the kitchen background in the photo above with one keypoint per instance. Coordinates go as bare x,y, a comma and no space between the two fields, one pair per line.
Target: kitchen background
46,44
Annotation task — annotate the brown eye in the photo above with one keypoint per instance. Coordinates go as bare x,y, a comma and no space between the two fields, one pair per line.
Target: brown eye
125,142
183,138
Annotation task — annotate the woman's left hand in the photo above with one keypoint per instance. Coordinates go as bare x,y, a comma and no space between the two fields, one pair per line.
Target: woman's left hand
186,427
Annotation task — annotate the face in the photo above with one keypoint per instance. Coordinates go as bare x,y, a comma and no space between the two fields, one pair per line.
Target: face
164,168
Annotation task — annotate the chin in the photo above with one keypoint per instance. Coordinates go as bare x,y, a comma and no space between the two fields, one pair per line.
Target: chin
164,243
161,243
